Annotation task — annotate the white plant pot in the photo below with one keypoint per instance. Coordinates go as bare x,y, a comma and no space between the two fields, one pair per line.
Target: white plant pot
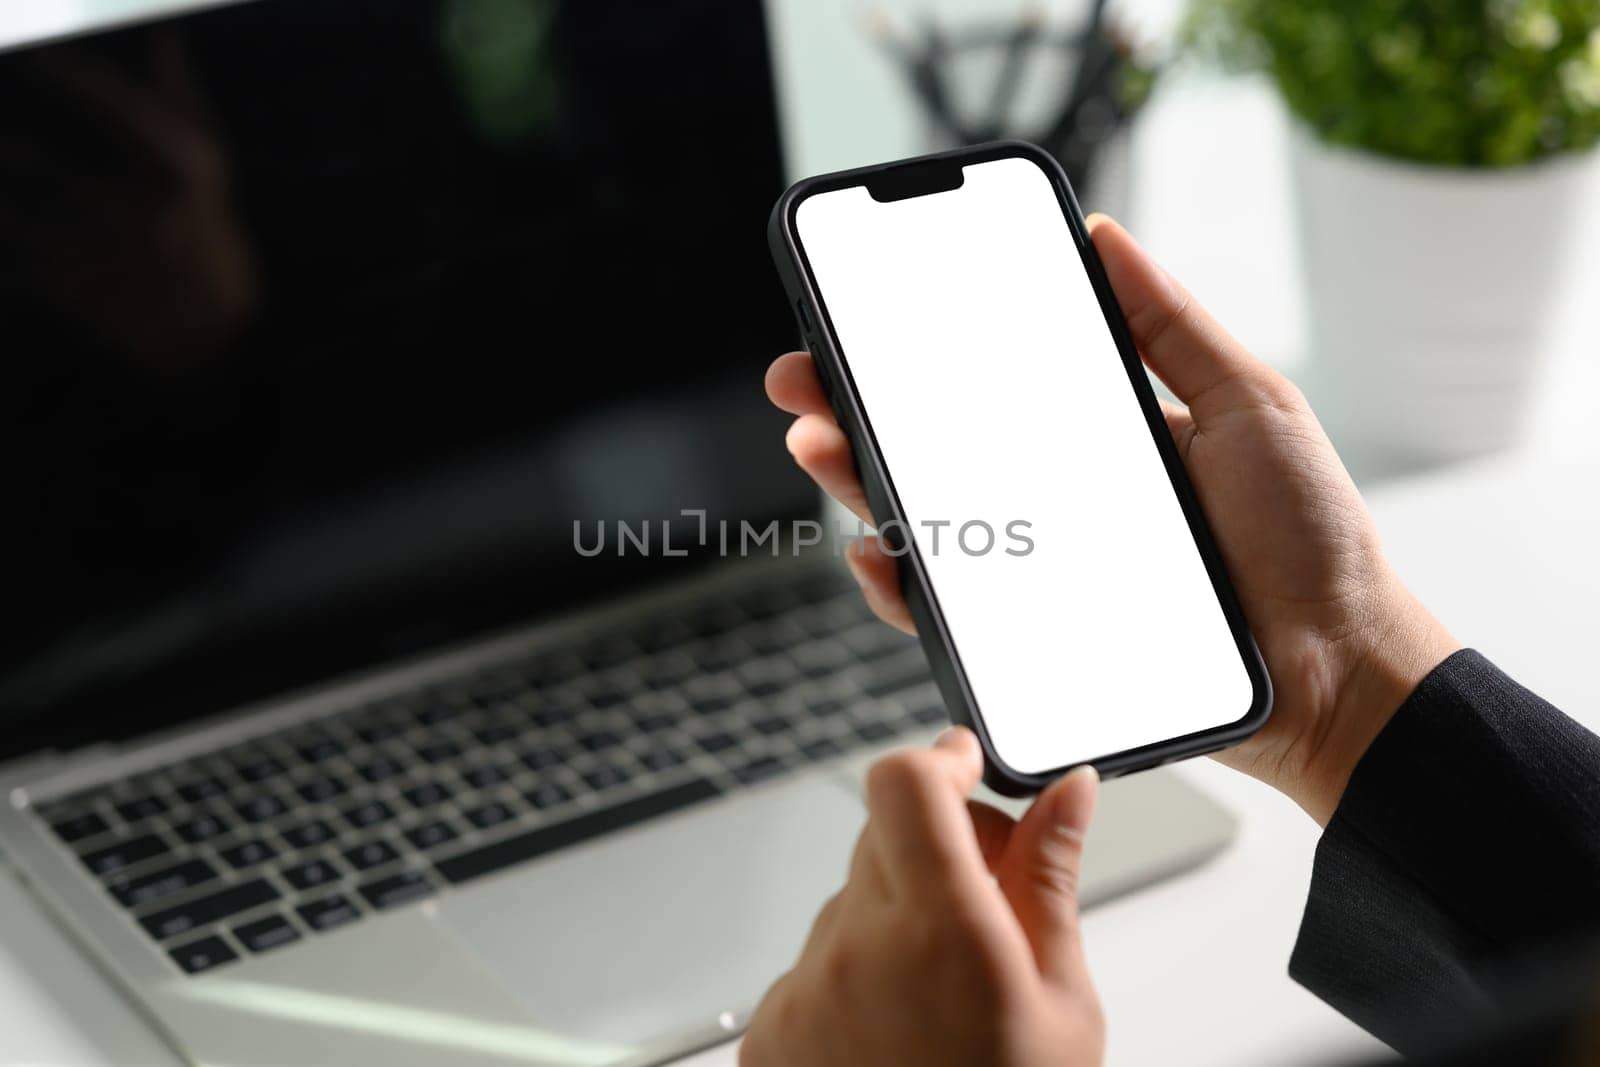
1429,296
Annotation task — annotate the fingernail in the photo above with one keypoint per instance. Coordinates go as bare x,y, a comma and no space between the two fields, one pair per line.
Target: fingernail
1073,810
948,737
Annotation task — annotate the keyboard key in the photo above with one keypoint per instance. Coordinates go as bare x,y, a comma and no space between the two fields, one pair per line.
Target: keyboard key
316,748
495,733
124,854
606,697
72,803
135,892
549,714
548,795
485,776
272,932
140,808
816,669
309,835
201,789
655,721
380,769
541,758
525,846
322,788
371,813
759,769
930,713
718,742
771,725
660,759
261,807
311,874
426,795
779,636
202,828
874,731
205,910
202,955
377,730
77,827
874,640
248,854
439,751
821,748
487,815
598,740
822,623
397,889
372,854
328,912
606,777
891,676
258,768
825,708
431,835
653,705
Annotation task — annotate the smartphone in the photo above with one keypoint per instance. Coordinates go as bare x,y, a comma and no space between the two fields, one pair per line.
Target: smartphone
1064,584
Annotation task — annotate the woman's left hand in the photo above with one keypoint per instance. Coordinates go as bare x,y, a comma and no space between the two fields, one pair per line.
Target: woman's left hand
955,939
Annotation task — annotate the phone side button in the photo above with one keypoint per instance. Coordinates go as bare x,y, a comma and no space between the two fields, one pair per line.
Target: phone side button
823,374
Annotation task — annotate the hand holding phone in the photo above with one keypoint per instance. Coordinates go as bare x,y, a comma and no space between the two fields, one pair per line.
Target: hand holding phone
1344,640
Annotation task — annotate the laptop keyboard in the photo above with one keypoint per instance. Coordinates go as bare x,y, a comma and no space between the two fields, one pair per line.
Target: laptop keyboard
294,833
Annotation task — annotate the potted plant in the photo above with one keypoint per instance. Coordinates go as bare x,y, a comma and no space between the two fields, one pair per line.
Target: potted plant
1440,150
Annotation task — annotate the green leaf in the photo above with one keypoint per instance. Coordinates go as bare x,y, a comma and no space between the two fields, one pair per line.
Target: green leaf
1488,83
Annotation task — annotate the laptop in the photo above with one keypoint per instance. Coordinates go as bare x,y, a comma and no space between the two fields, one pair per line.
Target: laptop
387,676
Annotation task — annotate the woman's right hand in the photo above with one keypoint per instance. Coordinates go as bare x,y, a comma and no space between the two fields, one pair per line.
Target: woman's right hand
1343,639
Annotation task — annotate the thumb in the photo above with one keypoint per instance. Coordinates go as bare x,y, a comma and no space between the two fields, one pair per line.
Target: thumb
1039,874
1183,344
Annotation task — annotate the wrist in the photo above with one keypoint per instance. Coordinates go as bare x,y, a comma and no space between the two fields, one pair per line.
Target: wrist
1379,668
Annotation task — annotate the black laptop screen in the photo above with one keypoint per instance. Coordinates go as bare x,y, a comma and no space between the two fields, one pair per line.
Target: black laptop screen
323,321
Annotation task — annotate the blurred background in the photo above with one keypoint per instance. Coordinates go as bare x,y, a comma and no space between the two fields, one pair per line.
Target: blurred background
1389,200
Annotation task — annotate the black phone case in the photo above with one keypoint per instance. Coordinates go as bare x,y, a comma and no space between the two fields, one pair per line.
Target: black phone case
934,173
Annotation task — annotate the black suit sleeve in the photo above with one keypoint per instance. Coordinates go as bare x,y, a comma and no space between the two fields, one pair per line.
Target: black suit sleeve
1466,845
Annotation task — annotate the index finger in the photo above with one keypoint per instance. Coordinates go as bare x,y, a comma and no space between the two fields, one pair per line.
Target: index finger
920,827
793,385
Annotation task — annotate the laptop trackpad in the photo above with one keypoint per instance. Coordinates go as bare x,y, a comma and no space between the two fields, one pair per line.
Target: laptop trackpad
657,930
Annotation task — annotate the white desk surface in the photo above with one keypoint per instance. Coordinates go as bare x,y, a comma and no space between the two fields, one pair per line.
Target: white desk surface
1192,971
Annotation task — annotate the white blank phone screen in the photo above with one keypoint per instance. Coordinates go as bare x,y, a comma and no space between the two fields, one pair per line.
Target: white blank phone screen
996,394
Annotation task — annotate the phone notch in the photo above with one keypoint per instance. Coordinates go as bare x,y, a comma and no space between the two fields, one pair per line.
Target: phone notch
922,178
